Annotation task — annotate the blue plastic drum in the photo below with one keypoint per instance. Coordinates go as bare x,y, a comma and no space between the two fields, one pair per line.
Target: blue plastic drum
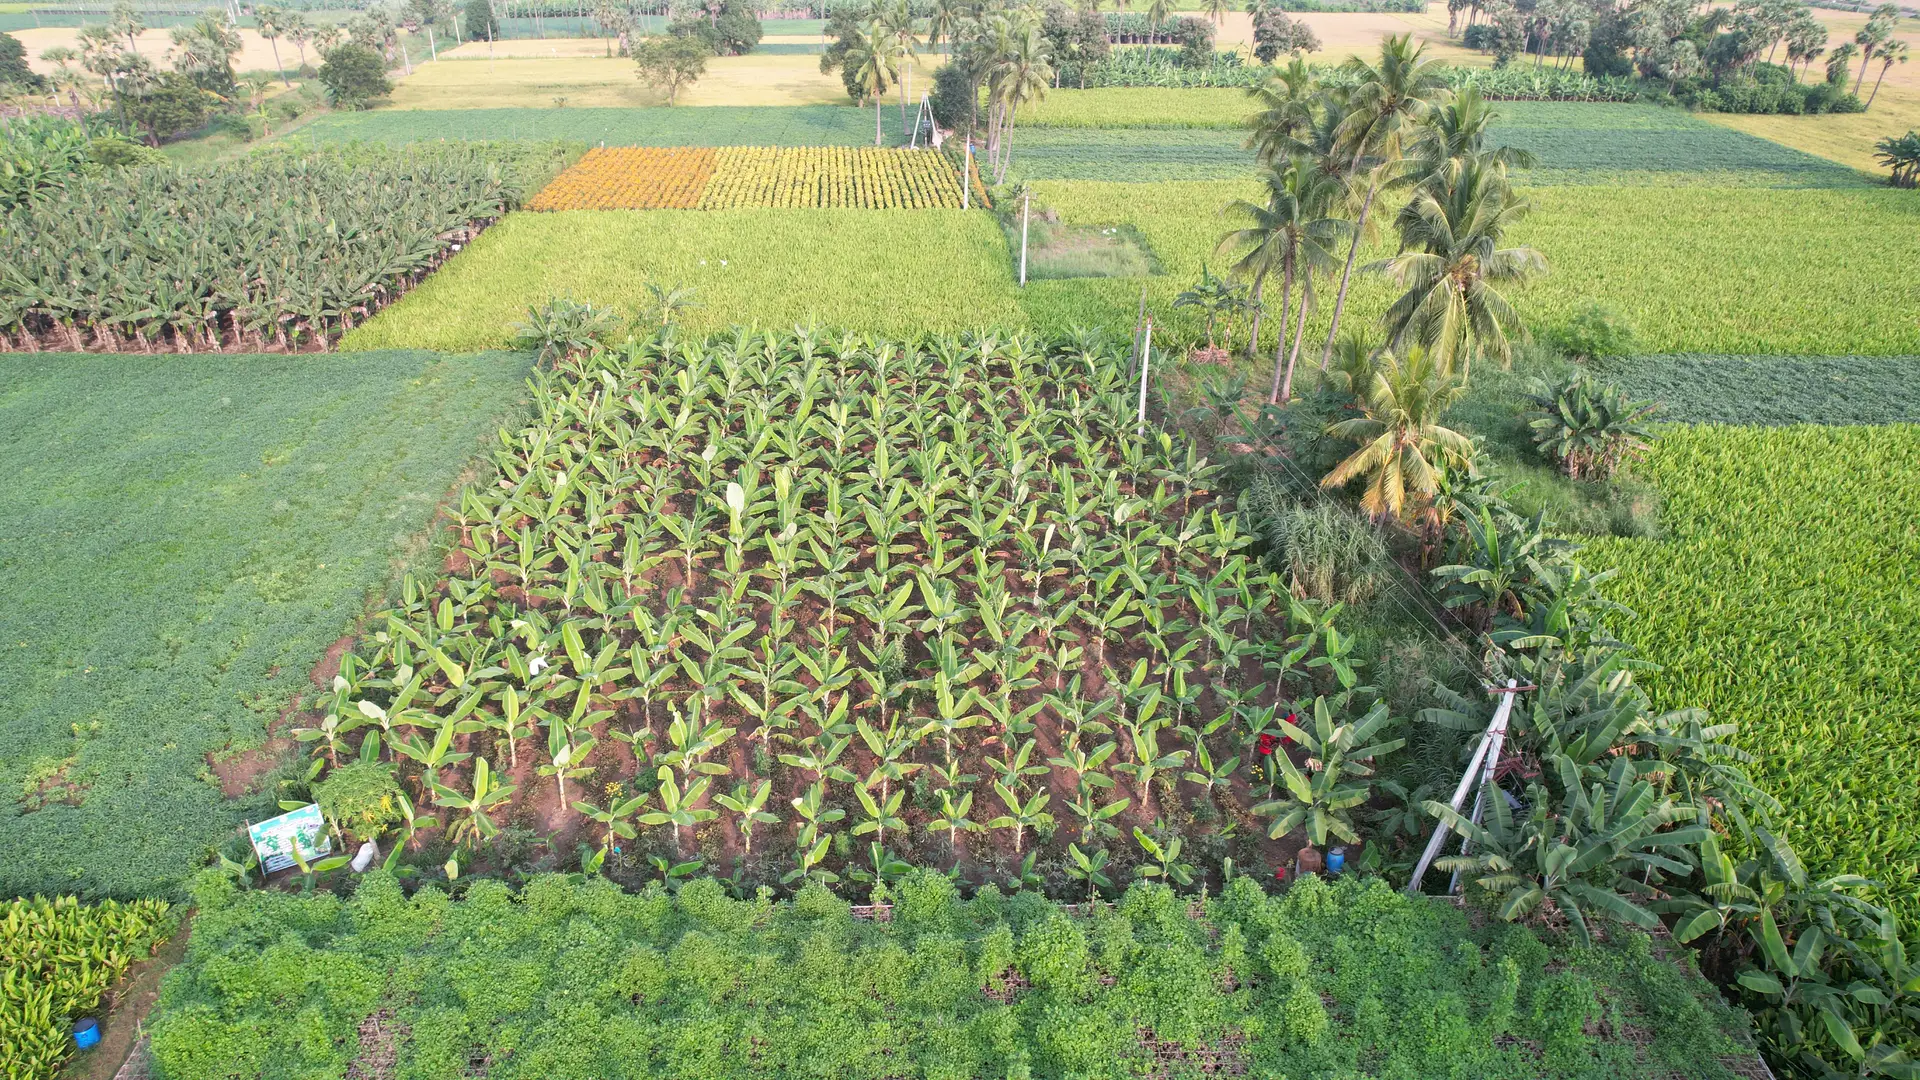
86,1034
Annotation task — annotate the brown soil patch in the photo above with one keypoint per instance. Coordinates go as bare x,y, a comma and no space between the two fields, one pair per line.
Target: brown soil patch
239,772
380,1040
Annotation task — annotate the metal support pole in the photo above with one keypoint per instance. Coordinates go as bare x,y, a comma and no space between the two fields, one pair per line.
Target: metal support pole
1485,756
1026,212
1146,352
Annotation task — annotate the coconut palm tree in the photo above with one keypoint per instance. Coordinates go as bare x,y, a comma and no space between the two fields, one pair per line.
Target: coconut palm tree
1295,232
1404,451
1286,111
1457,133
1157,12
271,28
1390,100
944,21
1451,264
1216,10
897,17
872,60
1020,71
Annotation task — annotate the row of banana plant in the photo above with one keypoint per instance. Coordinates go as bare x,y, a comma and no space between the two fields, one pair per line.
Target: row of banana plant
855,561
282,250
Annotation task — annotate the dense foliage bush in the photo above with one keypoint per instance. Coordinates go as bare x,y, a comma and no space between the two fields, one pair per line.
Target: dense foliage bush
40,155
355,76
291,248
1902,155
731,28
1160,65
57,960
14,70
574,979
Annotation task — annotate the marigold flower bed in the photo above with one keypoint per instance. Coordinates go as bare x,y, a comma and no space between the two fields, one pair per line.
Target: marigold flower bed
864,178
631,178
814,177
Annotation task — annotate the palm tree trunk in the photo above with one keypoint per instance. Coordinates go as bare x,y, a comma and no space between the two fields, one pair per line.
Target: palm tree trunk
1283,371
1253,335
1876,87
1299,332
1866,55
878,100
1346,273
275,42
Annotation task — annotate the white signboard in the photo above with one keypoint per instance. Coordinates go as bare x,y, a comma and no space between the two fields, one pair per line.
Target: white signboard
277,839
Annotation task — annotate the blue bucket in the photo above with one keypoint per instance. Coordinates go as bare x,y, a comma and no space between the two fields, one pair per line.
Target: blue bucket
86,1034
1336,860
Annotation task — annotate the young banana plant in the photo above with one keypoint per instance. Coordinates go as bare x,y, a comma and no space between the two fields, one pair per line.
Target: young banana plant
882,814
1020,815
1088,868
751,807
810,846
953,818
612,818
476,822
889,746
567,751
820,755
1148,761
677,806
1166,863
1337,752
411,823
432,756
1013,766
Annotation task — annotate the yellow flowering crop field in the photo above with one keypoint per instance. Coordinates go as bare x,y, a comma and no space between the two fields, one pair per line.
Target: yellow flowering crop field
737,177
631,178
866,178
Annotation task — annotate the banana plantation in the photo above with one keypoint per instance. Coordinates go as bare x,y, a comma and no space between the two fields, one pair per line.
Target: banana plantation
836,603
275,251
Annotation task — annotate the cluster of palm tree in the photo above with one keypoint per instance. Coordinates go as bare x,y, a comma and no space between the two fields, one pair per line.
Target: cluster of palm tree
1330,150
1000,49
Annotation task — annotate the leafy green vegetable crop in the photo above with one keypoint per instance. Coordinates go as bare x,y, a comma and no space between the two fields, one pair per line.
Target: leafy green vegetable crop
1697,388
58,958
1744,270
716,125
894,271
1787,600
582,980
1614,144
184,536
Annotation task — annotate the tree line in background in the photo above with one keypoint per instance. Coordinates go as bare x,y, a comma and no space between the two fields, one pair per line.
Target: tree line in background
1751,57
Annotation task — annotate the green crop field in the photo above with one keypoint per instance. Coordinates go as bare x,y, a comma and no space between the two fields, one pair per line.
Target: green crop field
1576,142
1699,389
184,537
891,271
1787,599
1587,143
712,125
1131,155
582,980
1139,106
1693,269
